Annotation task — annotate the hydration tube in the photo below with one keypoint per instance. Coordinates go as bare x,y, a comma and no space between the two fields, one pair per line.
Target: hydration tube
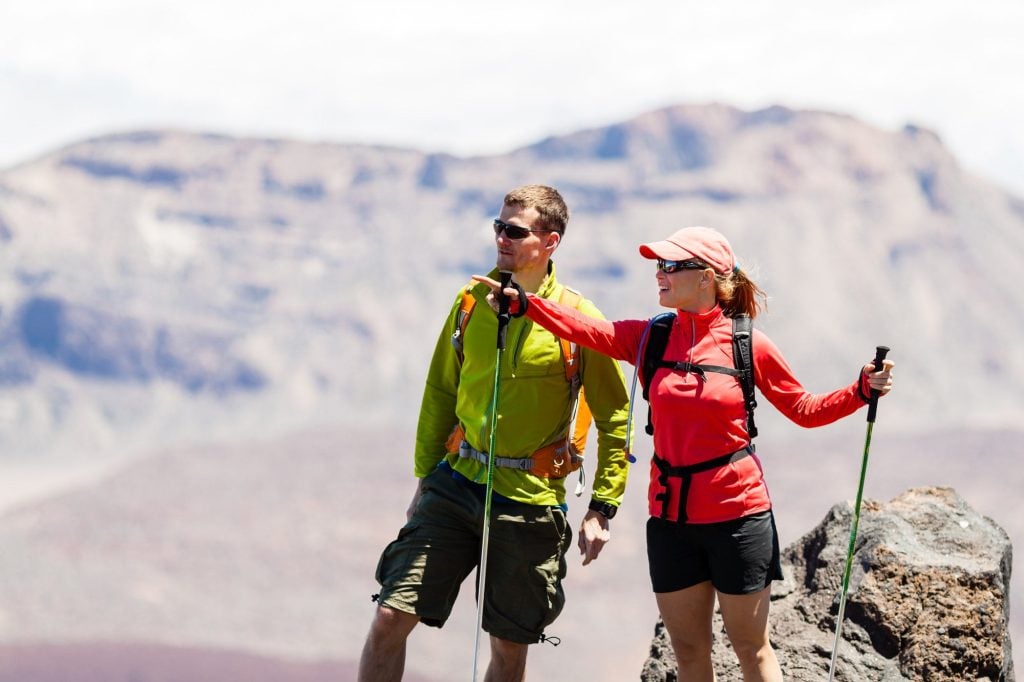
632,390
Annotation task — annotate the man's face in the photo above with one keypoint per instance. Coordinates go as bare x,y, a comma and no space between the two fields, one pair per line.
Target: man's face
530,253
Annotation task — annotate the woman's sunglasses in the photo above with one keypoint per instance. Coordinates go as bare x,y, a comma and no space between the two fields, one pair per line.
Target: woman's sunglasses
670,266
513,231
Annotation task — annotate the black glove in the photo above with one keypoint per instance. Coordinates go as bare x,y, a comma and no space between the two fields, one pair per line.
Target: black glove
518,306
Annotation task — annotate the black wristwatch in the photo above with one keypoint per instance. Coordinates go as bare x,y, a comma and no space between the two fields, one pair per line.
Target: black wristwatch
604,509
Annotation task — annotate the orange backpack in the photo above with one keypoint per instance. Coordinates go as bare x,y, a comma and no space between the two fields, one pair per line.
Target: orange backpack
579,424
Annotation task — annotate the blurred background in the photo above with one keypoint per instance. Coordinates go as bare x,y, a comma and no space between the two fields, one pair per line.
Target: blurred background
230,233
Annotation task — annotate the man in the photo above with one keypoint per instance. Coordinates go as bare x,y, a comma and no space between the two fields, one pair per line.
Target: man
420,572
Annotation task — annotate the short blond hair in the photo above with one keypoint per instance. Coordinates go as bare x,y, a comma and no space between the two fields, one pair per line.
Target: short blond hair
554,214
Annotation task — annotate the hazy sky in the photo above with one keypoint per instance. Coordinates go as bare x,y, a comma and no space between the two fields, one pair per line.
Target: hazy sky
480,77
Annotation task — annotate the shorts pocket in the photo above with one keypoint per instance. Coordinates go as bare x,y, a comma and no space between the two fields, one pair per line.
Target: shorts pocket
396,558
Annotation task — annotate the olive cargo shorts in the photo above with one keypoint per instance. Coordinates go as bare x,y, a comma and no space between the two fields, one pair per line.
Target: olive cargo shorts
421,571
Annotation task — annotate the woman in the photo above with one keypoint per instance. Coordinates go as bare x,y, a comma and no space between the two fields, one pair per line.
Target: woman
717,537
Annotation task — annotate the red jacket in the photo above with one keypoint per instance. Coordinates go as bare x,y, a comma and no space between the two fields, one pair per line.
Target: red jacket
696,419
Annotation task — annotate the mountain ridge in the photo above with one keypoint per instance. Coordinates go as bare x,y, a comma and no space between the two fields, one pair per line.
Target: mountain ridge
165,287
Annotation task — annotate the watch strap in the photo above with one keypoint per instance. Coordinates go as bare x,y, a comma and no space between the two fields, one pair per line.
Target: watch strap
603,508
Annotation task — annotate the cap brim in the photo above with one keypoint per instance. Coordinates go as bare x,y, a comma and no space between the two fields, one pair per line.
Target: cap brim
665,250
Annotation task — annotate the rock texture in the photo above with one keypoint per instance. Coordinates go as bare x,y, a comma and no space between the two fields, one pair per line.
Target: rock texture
928,599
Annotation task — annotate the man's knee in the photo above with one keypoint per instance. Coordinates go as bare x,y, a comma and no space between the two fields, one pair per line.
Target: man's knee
383,657
391,625
507,655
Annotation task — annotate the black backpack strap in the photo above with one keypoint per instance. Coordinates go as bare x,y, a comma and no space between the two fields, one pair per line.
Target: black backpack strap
743,356
467,302
685,475
658,330
701,370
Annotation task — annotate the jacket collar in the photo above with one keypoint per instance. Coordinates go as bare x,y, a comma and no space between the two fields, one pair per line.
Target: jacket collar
548,288
701,320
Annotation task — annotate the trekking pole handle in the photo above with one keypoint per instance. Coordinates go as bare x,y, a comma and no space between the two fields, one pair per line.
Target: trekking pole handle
503,304
880,353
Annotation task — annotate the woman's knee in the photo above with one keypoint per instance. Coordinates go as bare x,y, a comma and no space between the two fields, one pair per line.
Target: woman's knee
752,650
691,646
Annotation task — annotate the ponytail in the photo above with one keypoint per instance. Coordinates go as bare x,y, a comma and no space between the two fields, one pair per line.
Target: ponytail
737,294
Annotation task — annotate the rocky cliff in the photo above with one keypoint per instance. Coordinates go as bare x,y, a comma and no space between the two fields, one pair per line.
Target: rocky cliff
928,599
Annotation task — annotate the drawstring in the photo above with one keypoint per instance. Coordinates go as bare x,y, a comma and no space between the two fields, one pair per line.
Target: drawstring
581,483
544,639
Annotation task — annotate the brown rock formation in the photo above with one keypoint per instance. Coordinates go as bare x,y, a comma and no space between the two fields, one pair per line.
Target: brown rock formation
928,599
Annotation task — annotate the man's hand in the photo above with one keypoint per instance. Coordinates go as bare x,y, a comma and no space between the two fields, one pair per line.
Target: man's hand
594,534
415,499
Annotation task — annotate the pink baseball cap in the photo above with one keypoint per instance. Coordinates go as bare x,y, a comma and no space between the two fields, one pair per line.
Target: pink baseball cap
694,242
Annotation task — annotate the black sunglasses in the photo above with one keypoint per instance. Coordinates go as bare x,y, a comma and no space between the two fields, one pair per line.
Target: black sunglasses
670,266
513,231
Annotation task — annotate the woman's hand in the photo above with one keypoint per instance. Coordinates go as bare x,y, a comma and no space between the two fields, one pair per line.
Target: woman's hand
881,380
494,285
515,294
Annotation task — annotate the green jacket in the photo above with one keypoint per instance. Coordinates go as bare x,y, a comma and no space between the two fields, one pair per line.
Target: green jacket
533,402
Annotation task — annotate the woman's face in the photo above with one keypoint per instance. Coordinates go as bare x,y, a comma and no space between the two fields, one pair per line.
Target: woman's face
685,285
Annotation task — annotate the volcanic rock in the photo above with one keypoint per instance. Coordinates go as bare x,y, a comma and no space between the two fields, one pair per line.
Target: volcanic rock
928,598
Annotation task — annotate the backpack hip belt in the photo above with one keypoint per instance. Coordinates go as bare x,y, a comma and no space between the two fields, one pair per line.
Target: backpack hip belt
685,474
555,460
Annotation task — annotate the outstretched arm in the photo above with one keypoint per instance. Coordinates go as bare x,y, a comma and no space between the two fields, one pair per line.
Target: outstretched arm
618,340
780,386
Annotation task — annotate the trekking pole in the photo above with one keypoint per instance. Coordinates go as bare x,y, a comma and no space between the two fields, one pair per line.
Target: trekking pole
503,319
880,353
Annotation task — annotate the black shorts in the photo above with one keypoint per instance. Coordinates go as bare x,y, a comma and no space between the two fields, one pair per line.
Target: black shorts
738,557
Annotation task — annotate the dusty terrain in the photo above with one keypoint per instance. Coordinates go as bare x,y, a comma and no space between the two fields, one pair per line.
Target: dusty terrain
269,549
